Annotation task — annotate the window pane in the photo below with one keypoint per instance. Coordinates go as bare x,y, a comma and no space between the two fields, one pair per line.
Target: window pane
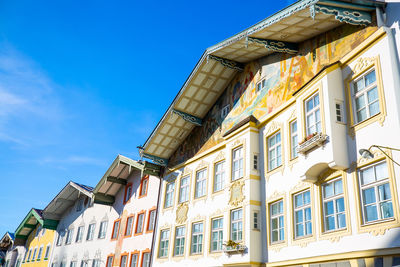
341,220
328,190
359,85
299,230
329,208
367,176
381,171
361,115
298,200
369,196
384,192
330,223
360,102
371,213
299,216
387,210
306,197
370,78
338,187
309,105
340,205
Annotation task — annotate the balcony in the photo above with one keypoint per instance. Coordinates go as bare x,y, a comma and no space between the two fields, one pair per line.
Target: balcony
317,139
234,248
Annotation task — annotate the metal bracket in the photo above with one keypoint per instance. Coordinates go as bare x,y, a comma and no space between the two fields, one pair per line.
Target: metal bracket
228,63
276,46
350,16
157,160
188,117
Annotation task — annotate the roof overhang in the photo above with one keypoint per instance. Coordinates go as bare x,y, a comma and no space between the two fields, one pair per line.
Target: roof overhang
31,220
279,33
117,175
6,241
65,199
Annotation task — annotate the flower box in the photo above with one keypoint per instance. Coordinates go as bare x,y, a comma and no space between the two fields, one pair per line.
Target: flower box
234,249
316,139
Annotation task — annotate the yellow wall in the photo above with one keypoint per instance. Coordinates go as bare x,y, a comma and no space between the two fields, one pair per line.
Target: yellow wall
33,242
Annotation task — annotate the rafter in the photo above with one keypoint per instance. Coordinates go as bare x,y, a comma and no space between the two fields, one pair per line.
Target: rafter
116,180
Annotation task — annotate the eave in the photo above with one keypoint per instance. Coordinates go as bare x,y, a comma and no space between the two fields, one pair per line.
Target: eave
66,198
279,33
31,220
117,175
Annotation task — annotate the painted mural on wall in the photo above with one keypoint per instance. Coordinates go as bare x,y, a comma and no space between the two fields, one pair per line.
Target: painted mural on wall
284,74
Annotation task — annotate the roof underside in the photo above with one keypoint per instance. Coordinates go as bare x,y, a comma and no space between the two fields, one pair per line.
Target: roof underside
29,223
209,78
65,199
117,175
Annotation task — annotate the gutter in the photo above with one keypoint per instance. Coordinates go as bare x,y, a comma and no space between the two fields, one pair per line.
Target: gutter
394,57
153,240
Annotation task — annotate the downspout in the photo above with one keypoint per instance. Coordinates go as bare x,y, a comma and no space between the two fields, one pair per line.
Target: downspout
155,224
394,57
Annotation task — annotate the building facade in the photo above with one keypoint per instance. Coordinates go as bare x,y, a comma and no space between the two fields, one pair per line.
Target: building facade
129,189
262,144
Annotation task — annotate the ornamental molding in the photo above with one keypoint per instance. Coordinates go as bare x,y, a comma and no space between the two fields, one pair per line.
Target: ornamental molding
350,16
156,160
188,117
362,64
238,142
198,217
165,226
217,213
378,154
300,186
220,156
276,195
276,46
236,193
203,164
186,171
181,213
274,126
172,177
379,231
97,254
85,255
293,115
74,256
227,63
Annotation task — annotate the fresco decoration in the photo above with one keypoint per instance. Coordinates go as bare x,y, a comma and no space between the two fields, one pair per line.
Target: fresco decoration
284,74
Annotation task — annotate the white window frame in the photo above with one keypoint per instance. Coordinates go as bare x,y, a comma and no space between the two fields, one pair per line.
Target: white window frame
303,209
201,183
256,220
260,85
237,163
90,232
60,238
219,176
238,224
79,233
196,246
95,263
47,252
333,199
102,230
68,239
278,217
40,252
375,185
274,151
164,243
294,139
73,264
129,226
179,246
364,93
225,111
217,234
184,189
169,194
316,109
152,220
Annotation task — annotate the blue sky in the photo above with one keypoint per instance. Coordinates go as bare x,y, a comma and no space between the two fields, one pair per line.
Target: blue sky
84,81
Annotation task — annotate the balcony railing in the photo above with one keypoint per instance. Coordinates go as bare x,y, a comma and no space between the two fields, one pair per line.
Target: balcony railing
317,139
234,249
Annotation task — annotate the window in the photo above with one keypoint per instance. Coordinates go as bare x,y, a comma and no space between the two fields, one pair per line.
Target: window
237,163
128,193
79,204
139,223
217,234
333,205
224,111
38,230
26,254
129,225
143,186
200,189
274,151
84,263
34,254
60,238
146,259
102,229
124,260
29,255
197,238
47,253
73,264
63,264
376,197
39,256
339,112
134,260
236,225
18,263
255,162
260,85
277,223
184,189
90,233
110,260
302,214
365,96
294,141
164,241
68,240
179,240
151,220
79,234
169,194
313,115
256,220
96,263
219,176
115,230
